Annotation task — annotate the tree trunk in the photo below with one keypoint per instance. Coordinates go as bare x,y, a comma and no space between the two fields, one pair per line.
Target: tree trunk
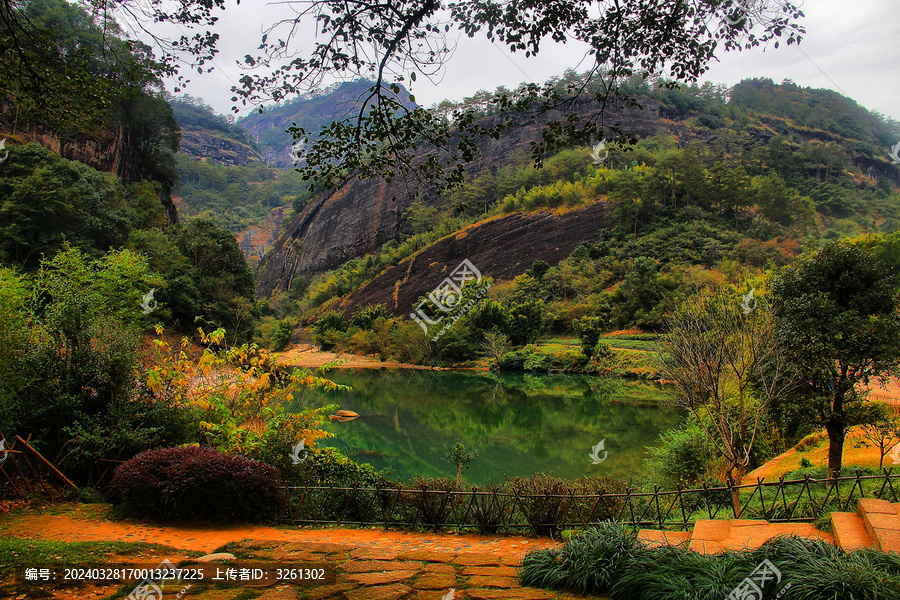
736,475
835,429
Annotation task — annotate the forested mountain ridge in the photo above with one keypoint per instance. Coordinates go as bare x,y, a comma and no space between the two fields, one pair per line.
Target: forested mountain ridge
138,141
251,187
830,156
87,176
310,111
208,135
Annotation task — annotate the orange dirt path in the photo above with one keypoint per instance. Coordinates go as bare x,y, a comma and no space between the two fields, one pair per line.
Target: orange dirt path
369,564
207,538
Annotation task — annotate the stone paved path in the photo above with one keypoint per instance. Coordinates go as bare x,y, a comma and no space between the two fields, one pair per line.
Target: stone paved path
369,564
373,564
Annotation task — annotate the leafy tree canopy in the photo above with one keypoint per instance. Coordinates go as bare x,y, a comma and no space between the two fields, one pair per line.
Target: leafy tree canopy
63,64
838,319
395,41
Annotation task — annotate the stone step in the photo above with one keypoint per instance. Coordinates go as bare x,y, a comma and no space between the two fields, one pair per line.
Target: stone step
711,536
850,531
875,506
708,534
882,523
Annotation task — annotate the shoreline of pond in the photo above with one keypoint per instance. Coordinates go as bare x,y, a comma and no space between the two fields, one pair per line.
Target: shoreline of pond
308,356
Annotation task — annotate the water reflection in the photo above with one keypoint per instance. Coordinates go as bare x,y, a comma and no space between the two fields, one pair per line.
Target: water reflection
519,423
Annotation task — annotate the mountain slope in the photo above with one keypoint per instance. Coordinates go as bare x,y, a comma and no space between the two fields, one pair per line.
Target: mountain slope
499,247
208,135
824,149
310,111
361,216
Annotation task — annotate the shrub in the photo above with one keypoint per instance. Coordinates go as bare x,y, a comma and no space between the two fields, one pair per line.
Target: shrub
196,483
329,322
434,505
284,331
683,456
456,345
549,503
327,467
365,318
589,331
526,322
809,442
543,359
489,509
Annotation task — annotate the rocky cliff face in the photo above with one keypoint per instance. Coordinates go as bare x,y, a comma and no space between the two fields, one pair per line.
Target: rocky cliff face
106,150
361,216
204,145
500,248
101,150
312,111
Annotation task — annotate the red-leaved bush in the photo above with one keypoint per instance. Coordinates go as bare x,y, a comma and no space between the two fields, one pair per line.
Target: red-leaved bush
196,483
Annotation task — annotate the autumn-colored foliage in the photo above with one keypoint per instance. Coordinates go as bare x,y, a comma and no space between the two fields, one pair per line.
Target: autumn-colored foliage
248,405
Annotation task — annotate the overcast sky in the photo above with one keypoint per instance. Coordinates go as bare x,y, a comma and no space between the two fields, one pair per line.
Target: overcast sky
851,46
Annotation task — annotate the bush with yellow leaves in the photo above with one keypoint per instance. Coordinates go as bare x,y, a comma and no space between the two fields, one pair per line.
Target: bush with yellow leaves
248,405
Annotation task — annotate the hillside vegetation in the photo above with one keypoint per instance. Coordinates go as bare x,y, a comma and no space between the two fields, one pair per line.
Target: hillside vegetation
751,182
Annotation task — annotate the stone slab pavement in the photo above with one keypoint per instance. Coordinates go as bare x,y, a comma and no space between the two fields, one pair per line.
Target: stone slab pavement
365,564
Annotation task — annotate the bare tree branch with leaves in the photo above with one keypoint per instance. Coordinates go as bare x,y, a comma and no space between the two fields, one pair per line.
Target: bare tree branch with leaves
727,368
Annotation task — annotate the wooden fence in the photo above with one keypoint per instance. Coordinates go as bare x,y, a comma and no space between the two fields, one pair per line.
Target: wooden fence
891,401
502,510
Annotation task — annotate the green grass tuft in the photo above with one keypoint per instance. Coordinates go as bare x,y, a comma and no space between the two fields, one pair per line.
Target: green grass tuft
610,561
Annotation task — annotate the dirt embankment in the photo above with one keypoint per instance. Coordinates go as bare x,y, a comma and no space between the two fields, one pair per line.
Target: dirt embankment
310,357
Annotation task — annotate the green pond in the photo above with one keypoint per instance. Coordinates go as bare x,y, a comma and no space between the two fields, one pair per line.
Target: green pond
519,423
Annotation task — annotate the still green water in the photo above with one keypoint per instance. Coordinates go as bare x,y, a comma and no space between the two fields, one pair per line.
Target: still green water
520,423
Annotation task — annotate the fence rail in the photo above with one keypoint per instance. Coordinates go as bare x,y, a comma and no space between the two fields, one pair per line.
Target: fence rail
891,401
493,511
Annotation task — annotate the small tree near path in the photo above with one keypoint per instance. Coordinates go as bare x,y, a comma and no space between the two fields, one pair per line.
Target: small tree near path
880,430
460,458
838,320
727,367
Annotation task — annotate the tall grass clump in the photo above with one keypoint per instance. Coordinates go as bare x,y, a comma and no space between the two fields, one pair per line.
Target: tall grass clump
611,561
